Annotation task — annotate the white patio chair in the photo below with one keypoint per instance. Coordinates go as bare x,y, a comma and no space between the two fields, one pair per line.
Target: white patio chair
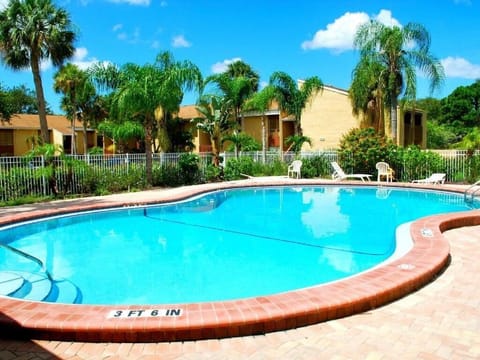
435,179
339,174
294,169
384,171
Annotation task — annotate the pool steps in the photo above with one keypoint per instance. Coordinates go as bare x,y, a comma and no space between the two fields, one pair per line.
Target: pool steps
38,287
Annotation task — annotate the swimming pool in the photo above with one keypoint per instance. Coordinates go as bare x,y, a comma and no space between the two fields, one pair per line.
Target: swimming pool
223,245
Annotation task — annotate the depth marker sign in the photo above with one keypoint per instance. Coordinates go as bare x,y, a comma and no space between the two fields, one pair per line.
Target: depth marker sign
143,313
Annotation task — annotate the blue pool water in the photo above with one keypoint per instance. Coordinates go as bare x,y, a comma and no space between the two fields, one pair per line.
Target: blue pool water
223,245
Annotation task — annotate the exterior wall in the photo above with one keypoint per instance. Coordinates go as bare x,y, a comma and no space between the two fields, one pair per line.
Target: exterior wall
253,127
91,141
327,118
204,144
20,144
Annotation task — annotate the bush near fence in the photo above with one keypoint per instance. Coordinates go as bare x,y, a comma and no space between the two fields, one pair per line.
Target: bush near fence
104,174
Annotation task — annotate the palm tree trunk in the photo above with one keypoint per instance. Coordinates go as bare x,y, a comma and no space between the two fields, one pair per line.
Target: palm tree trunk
148,151
73,147
42,113
393,118
264,141
215,140
85,140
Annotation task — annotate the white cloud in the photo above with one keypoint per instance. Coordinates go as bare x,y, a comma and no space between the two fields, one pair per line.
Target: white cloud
385,17
44,65
179,41
3,4
132,2
132,38
339,35
220,67
458,67
80,59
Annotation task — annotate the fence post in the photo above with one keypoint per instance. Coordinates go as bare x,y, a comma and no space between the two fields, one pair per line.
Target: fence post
44,181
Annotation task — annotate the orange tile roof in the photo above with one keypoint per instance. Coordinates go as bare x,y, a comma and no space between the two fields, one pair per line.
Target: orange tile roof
31,121
188,112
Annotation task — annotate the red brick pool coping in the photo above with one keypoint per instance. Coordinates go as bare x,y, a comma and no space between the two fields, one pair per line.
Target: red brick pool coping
258,315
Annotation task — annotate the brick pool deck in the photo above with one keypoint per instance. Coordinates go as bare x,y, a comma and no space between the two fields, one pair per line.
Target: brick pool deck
440,320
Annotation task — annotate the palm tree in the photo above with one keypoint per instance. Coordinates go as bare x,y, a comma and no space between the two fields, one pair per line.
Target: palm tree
261,102
292,98
32,31
241,69
136,97
237,83
366,93
92,109
178,76
146,93
215,120
398,51
295,142
70,81
121,132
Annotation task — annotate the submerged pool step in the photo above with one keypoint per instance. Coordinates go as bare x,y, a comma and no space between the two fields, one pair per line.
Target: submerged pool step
36,287
10,282
64,292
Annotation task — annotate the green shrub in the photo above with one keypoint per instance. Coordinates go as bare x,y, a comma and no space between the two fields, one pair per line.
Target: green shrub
417,163
166,175
235,167
276,168
212,173
361,149
317,166
473,169
189,168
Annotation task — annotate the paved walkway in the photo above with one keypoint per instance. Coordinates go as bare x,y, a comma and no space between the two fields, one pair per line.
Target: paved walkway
440,321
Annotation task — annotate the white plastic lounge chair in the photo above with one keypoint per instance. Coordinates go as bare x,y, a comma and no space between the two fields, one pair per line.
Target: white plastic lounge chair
294,169
384,171
435,179
339,174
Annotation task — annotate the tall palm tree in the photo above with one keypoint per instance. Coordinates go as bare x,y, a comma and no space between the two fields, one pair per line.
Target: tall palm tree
178,76
32,31
261,101
92,109
242,69
146,93
293,98
237,84
399,51
366,92
70,81
136,97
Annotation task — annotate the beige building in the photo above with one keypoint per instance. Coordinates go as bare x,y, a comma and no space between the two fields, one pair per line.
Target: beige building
325,120
17,134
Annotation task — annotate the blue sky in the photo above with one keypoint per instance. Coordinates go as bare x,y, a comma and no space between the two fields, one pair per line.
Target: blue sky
303,38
